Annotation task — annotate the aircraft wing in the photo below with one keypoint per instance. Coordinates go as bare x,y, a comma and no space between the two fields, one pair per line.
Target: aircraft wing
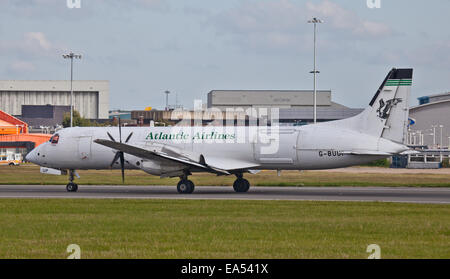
147,154
229,163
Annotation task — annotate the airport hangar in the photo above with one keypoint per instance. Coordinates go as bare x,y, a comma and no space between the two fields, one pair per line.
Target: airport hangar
433,110
295,106
32,105
91,97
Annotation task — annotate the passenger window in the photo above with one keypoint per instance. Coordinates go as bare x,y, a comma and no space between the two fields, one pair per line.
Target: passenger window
54,139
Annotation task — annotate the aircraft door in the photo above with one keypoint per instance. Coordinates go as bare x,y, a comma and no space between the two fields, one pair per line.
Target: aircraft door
84,148
276,149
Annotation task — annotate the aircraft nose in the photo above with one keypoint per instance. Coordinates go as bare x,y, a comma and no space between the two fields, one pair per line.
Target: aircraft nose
32,156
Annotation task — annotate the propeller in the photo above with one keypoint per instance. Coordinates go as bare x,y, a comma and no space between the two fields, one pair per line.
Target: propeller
120,154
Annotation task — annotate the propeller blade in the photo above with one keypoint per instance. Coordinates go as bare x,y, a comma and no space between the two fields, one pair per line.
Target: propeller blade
119,154
129,136
115,158
111,137
120,131
122,165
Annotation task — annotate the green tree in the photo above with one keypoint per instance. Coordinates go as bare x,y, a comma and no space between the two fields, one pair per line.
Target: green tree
446,163
77,120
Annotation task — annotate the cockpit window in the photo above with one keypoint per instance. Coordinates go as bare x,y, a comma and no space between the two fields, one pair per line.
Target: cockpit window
54,139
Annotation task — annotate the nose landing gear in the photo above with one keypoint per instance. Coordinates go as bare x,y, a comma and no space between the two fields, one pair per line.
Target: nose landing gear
71,187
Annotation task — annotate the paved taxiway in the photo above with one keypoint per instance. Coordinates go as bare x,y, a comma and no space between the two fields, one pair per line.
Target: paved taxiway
384,194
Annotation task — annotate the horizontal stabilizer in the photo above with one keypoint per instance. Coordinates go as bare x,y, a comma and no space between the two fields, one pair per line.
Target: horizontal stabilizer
367,152
410,152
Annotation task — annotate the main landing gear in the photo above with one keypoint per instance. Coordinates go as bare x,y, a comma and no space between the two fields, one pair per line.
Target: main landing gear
241,185
185,186
71,187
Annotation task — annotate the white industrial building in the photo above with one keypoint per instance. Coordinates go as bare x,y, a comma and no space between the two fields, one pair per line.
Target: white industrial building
91,97
267,98
431,121
295,106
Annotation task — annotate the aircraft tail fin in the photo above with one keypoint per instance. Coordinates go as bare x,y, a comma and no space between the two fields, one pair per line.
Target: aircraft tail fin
387,113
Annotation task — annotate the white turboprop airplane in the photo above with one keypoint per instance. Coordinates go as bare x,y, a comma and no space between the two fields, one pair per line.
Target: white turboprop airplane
377,132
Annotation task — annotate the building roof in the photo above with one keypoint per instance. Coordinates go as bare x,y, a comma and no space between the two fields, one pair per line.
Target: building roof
11,125
13,130
430,104
5,123
433,98
437,95
53,85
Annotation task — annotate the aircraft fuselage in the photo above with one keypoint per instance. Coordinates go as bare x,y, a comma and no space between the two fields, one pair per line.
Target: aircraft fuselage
298,148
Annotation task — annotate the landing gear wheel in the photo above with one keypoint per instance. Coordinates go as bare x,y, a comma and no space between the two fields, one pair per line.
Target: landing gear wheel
241,185
185,186
72,187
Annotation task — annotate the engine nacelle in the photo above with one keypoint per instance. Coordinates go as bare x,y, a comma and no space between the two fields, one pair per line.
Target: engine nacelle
160,168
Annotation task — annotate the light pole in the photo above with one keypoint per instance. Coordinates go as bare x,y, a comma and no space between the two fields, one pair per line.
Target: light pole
71,56
441,126
167,92
420,137
434,135
314,71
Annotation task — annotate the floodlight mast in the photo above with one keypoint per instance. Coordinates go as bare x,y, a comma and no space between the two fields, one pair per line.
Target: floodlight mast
434,135
71,56
167,92
314,72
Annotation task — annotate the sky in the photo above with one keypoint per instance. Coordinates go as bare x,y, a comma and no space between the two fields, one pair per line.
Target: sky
145,47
